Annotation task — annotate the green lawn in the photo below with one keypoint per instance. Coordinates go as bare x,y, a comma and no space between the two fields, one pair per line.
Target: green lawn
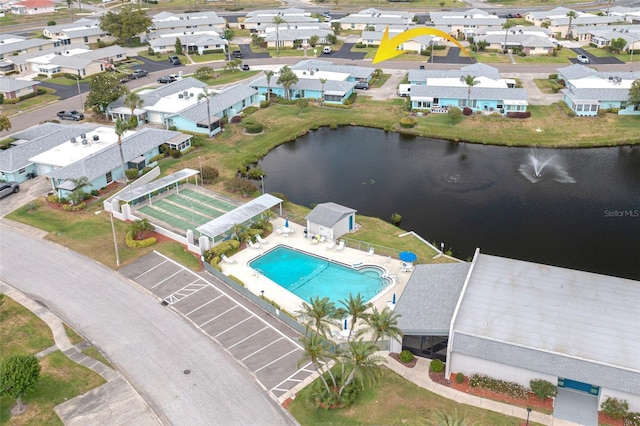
209,57
61,379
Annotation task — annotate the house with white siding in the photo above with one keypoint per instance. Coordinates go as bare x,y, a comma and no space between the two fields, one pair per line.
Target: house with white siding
257,21
32,7
373,37
331,220
373,17
557,20
85,30
463,23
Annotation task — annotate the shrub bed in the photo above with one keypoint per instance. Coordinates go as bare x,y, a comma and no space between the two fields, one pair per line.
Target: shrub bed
133,243
436,366
407,122
519,114
253,128
500,386
543,389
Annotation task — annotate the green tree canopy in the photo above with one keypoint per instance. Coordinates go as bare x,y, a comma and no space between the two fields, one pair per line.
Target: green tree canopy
104,88
618,44
178,46
5,124
19,375
454,114
634,93
125,24
287,79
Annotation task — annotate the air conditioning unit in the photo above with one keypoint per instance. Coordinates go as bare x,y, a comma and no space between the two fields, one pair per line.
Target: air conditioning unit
83,135
191,95
180,96
85,142
73,140
185,94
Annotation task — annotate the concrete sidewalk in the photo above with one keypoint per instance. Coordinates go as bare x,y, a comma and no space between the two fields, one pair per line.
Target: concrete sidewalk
420,376
115,402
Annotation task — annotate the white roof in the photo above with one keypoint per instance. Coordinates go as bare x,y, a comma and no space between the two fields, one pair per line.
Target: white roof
552,310
176,102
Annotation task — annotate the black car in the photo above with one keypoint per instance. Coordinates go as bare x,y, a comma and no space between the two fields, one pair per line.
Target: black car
166,79
174,60
245,67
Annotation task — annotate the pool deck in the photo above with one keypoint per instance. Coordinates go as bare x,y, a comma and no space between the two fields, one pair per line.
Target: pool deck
257,283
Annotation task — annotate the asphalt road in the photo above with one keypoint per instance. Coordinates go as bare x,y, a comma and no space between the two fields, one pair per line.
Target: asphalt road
149,344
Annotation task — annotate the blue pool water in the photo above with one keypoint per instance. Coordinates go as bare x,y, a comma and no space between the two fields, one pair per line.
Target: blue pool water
309,276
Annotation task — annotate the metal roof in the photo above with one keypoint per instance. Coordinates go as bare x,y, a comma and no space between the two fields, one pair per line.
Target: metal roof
132,193
242,214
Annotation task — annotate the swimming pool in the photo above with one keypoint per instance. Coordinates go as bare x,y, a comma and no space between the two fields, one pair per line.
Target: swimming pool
309,276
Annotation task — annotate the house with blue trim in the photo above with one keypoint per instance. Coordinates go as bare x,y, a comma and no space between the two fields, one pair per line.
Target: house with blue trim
438,90
589,91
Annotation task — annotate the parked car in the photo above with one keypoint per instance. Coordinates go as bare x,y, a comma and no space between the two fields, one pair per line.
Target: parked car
8,188
174,60
326,50
166,79
125,78
237,54
139,73
245,67
583,58
362,85
70,115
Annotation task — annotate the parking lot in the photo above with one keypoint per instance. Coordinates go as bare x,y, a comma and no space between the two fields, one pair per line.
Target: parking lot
265,346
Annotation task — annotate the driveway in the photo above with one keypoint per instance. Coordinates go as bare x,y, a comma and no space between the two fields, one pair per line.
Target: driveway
29,191
247,53
184,376
453,57
595,60
345,53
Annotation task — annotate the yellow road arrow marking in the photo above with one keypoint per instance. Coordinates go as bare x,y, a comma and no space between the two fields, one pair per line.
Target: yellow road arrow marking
387,49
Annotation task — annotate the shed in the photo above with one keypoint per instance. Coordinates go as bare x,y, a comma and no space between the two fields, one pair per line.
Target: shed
331,220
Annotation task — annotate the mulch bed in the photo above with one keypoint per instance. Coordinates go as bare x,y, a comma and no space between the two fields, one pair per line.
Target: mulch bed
409,364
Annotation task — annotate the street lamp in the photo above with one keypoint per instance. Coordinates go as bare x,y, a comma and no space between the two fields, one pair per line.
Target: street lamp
115,240
528,412
442,248
262,181
201,177
262,294
79,92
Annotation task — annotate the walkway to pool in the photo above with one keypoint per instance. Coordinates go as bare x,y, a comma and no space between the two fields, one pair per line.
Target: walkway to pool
257,283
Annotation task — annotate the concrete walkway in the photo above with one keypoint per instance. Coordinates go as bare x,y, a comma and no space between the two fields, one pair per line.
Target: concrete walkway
115,402
420,376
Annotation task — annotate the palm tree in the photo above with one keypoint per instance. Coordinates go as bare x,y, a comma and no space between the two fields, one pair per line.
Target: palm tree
278,20
470,81
505,27
571,14
287,78
323,81
133,102
269,74
355,307
316,351
441,418
77,194
121,127
384,323
319,315
364,363
207,95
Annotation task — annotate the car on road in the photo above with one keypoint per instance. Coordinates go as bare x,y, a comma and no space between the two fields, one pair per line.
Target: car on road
139,73
165,79
70,115
174,60
8,188
583,59
245,67
363,85
237,54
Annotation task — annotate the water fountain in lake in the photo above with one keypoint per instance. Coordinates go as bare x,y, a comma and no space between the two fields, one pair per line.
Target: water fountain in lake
538,168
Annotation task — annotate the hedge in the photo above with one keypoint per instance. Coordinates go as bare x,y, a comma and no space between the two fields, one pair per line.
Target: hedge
519,114
133,243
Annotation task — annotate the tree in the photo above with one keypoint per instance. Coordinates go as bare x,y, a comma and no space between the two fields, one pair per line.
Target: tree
228,34
454,114
70,7
506,27
335,26
384,323
470,81
140,227
207,95
302,104
77,195
318,315
634,93
440,418
313,40
361,358
133,102
323,81
178,46
277,20
5,123
126,24
355,307
571,14
268,75
104,88
19,375
316,351
204,73
287,78
121,127
618,44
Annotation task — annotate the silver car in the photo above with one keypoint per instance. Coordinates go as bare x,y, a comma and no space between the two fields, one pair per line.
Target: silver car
8,188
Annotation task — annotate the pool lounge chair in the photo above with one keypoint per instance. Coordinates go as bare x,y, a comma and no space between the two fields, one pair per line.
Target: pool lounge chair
340,246
331,245
226,259
254,246
371,251
261,240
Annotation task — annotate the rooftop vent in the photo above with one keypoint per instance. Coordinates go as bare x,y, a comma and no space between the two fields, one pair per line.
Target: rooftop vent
180,96
83,135
85,142
74,140
96,137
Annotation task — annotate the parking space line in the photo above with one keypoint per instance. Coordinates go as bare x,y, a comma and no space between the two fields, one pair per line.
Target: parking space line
260,350
149,270
218,316
295,343
291,379
235,325
163,281
276,360
185,292
202,306
246,338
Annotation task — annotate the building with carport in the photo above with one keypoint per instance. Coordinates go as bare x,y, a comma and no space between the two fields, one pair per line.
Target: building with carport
519,321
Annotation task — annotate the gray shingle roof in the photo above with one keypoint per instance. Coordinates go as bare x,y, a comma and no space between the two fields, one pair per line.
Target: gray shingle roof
331,86
8,84
218,103
105,52
477,70
429,299
328,214
24,44
597,94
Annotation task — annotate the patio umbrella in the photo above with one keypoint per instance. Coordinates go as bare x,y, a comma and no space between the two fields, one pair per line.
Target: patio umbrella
408,256
394,299
345,324
286,223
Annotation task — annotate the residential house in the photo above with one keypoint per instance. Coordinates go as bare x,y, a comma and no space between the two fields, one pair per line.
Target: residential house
628,14
530,40
193,43
373,37
80,61
11,88
354,73
463,23
85,30
373,17
21,63
438,90
257,20
331,220
602,36
187,22
589,91
32,7
290,38
14,45
491,317
557,20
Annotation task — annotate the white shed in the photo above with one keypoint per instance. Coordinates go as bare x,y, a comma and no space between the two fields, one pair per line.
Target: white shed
331,220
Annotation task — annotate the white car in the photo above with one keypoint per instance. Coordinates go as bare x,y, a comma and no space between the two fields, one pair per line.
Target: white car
583,58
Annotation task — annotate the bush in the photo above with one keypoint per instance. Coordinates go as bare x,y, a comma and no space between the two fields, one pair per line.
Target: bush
459,378
396,219
519,114
53,198
51,23
436,366
568,111
133,243
209,174
132,174
553,76
226,247
500,386
253,128
407,122
543,389
265,104
236,119
73,207
95,192
406,356
241,186
615,408
467,111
